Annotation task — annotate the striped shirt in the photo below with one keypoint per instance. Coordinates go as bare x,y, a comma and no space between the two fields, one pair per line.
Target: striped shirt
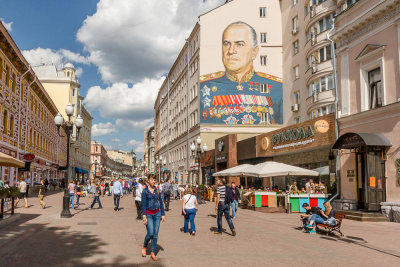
221,191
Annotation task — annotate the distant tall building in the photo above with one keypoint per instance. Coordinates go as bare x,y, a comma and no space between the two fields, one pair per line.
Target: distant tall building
307,68
209,95
127,158
63,87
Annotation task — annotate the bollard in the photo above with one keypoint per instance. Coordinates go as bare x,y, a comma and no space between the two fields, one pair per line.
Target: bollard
289,208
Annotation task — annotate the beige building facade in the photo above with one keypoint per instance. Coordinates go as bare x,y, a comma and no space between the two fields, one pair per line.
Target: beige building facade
27,125
367,38
307,69
126,158
63,87
181,107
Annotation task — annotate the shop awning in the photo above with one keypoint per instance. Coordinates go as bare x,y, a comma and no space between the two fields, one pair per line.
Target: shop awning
8,161
272,168
354,140
322,170
234,171
77,169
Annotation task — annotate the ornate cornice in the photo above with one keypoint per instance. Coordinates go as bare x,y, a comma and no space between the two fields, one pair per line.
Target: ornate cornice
346,34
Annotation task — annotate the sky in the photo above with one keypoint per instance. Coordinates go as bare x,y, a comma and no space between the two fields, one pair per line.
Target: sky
120,48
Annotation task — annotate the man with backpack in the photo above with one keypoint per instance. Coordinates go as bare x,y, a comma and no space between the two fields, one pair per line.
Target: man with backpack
222,205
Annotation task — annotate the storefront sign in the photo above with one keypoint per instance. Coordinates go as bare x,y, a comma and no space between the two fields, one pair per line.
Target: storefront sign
221,158
29,157
350,173
292,135
313,133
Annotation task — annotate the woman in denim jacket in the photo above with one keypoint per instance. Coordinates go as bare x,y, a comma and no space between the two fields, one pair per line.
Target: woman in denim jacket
153,212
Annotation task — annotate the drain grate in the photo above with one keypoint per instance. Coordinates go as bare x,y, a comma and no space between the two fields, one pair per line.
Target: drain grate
87,223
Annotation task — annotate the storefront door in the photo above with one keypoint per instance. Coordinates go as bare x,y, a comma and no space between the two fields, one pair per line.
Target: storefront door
370,180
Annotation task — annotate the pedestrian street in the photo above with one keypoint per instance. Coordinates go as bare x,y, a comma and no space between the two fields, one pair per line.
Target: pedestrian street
104,237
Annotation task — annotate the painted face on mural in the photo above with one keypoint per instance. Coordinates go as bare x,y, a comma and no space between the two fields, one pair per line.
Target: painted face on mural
238,51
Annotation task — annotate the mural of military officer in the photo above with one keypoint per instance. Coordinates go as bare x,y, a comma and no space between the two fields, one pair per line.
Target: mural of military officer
239,95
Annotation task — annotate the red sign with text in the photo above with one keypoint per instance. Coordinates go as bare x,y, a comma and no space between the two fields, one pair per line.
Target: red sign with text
29,157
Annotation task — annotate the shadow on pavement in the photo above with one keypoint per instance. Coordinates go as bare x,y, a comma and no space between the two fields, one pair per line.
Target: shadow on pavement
58,246
158,248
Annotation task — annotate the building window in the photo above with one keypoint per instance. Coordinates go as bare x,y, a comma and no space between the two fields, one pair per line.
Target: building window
22,91
297,120
14,82
263,12
5,119
263,117
325,23
295,25
263,60
375,89
322,84
297,97
263,37
8,76
295,47
296,73
1,68
12,126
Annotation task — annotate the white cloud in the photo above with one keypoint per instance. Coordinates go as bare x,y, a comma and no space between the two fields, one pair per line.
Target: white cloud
132,106
130,40
138,146
115,140
100,129
7,25
59,57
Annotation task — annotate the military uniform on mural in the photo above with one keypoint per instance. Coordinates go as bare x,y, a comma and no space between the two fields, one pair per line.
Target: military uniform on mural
257,99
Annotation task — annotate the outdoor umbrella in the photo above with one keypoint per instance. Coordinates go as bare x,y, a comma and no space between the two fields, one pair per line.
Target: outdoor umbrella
323,171
234,171
8,161
272,168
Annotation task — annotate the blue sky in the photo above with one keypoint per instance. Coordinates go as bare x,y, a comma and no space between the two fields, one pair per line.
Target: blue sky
120,50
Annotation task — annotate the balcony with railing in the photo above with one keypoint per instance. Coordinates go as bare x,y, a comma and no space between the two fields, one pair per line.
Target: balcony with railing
320,99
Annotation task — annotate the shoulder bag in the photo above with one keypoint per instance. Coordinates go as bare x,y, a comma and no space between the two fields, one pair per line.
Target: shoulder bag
185,204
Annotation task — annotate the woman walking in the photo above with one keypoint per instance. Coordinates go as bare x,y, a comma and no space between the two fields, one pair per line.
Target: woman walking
189,204
71,189
78,192
153,212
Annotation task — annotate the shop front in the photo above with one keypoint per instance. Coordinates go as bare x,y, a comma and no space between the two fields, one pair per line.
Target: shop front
369,153
226,155
307,145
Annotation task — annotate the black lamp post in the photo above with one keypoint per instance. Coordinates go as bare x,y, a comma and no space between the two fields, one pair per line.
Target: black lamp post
197,150
69,126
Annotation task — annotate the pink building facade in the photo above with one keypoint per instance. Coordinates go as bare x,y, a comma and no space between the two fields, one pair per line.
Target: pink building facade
367,38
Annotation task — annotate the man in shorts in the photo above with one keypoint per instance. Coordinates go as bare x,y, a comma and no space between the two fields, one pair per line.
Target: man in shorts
22,192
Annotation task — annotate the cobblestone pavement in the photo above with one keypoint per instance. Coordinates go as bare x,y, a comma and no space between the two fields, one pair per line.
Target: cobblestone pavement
104,237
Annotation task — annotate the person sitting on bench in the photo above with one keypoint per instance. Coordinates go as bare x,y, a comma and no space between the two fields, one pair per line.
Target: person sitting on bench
322,217
305,218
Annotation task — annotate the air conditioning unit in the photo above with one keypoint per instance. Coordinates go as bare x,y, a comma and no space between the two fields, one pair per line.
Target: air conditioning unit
295,107
295,30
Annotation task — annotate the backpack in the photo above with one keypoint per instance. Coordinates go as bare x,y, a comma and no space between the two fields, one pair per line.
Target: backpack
229,197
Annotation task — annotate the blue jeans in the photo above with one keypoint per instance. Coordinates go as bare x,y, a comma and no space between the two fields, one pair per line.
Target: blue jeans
96,199
72,199
190,214
234,206
316,218
116,200
77,199
223,209
153,225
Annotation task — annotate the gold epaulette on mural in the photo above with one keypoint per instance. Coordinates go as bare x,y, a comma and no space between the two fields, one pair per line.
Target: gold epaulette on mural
212,76
268,76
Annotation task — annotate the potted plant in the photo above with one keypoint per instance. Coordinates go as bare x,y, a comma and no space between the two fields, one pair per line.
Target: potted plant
3,192
13,192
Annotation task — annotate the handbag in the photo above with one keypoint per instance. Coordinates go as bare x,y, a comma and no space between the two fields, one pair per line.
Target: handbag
183,214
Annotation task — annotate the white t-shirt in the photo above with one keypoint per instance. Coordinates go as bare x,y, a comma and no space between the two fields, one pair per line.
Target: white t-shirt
22,187
139,190
190,201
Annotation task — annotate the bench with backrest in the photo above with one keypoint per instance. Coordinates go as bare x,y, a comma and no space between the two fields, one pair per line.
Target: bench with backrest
331,228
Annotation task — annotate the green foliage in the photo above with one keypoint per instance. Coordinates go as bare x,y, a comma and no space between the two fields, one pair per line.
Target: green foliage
332,189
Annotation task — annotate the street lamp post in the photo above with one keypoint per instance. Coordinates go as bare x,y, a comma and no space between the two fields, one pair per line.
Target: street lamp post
59,121
197,150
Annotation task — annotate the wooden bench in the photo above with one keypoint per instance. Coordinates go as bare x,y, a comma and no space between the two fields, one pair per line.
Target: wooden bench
331,228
